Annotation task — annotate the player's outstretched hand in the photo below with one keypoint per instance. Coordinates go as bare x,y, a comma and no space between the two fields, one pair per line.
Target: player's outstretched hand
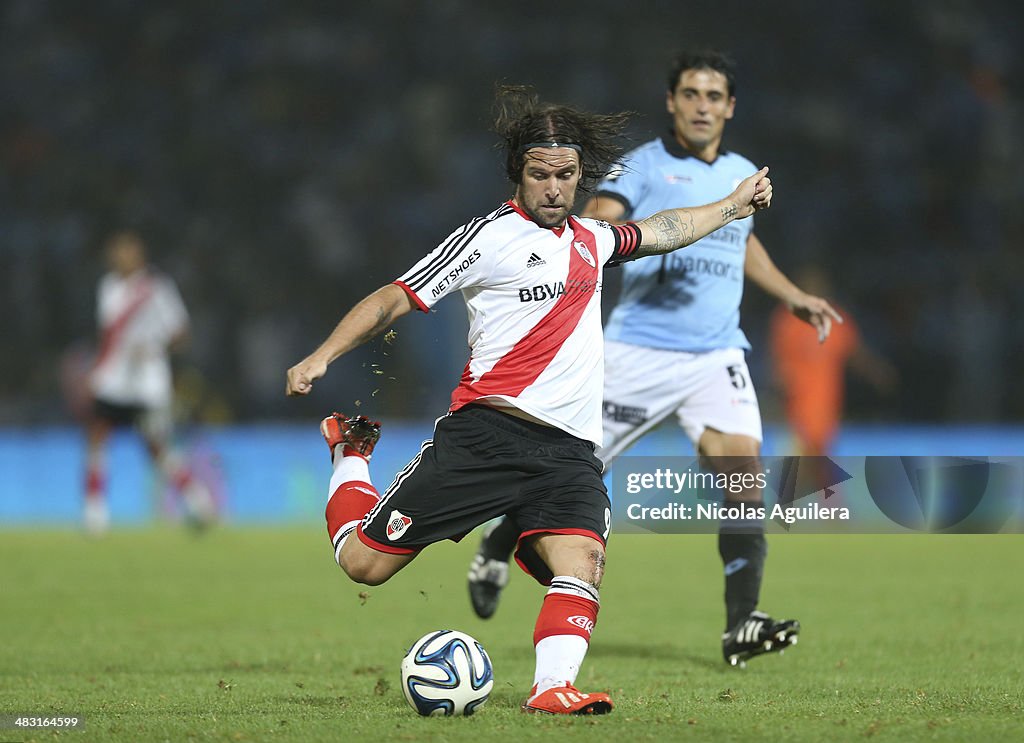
302,375
753,193
817,312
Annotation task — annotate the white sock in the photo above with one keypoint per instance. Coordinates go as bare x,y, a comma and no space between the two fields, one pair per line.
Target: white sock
559,658
347,469
170,463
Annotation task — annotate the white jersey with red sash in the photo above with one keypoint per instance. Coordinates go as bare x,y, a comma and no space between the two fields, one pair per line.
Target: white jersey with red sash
534,304
139,315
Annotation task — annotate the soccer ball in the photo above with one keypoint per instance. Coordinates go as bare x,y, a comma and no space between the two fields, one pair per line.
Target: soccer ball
446,673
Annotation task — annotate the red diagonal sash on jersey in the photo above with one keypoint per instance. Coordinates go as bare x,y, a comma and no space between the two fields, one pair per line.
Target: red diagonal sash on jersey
113,332
527,359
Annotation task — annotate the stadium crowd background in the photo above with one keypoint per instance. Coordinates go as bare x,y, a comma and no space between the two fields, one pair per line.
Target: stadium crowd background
284,159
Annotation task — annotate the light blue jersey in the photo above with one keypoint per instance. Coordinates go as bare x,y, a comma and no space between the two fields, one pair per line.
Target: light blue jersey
688,300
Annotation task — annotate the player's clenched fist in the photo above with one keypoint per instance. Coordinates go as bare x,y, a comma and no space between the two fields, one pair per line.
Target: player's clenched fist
302,375
752,194
763,193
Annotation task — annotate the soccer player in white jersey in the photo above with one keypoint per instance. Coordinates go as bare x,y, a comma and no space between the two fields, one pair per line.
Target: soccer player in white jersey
525,418
141,318
674,343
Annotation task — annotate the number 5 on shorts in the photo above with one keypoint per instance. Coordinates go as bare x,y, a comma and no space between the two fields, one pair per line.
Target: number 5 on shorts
736,376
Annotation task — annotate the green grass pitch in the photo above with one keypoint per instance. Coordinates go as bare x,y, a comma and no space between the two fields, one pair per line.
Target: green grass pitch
254,635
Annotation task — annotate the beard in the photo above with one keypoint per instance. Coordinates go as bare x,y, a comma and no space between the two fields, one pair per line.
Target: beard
546,217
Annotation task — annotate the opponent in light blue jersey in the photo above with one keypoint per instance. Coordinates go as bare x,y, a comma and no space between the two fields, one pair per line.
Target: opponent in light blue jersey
690,300
673,345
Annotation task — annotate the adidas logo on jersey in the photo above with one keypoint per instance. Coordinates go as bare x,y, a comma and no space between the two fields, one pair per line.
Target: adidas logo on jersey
534,260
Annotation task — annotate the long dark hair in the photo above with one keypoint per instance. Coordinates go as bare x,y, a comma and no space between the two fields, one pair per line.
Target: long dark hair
521,118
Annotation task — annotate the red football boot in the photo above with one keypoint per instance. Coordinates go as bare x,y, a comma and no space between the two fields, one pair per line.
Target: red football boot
358,433
568,700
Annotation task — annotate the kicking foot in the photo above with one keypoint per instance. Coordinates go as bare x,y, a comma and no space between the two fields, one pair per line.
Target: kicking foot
358,433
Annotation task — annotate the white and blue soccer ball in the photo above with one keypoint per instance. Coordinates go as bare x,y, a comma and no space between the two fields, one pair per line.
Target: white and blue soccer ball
446,673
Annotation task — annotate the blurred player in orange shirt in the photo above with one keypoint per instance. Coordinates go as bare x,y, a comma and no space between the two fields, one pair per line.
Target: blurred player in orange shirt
811,373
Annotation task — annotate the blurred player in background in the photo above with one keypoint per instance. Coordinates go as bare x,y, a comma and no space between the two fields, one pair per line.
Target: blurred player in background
525,419
673,341
141,320
811,376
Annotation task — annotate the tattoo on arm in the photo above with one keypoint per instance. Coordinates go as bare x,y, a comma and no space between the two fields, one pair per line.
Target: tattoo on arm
672,229
729,211
383,320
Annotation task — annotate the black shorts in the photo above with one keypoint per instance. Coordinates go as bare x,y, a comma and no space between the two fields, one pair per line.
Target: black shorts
481,464
117,414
